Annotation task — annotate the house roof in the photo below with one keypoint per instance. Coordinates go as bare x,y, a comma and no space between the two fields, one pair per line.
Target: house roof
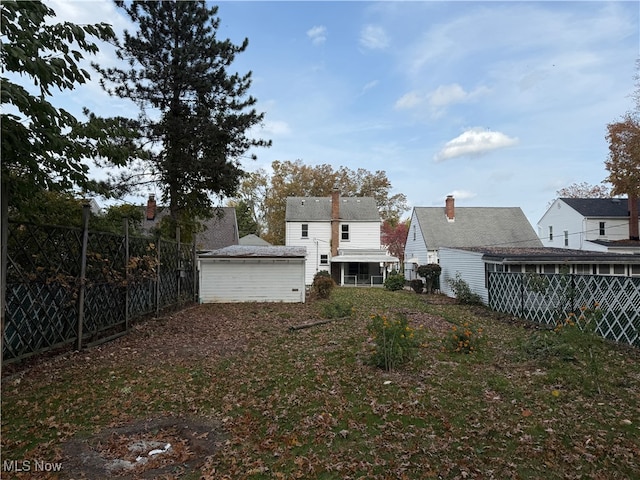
600,207
250,251
476,226
219,231
253,240
318,209
550,255
363,256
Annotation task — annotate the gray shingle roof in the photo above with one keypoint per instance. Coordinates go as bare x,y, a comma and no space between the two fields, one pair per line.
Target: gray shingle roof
476,226
318,209
600,207
549,254
220,231
250,251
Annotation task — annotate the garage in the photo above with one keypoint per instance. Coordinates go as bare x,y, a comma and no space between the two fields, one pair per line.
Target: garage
241,273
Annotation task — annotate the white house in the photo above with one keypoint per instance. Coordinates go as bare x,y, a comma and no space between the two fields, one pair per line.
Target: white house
432,228
596,224
341,235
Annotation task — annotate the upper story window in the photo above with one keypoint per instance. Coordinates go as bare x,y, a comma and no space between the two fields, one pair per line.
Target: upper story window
601,230
324,259
414,233
566,238
345,232
305,230
550,232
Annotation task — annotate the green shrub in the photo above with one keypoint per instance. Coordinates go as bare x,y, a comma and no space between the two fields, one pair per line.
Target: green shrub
417,285
394,282
431,274
463,292
323,284
395,341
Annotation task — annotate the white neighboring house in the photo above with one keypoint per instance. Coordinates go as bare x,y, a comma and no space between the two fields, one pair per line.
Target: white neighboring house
595,224
432,228
341,235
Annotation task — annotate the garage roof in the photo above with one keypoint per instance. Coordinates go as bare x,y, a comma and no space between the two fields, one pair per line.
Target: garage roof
245,251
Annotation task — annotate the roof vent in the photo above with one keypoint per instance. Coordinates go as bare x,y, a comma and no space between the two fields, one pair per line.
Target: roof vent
302,202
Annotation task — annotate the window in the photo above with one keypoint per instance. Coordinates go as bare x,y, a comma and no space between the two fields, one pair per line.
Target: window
414,233
324,259
548,268
530,268
635,270
566,238
619,270
582,269
550,233
345,232
602,229
604,269
305,230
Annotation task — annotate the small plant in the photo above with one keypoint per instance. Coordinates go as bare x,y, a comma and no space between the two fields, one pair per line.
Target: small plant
394,281
323,284
395,341
337,310
417,285
463,292
463,339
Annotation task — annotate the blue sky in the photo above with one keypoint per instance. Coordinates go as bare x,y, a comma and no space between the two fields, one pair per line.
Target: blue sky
497,103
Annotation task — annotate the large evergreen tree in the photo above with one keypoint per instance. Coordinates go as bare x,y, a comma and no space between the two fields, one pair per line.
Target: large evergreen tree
194,113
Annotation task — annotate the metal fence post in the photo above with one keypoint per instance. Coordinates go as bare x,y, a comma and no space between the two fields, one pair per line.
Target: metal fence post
125,222
4,222
194,262
83,272
158,278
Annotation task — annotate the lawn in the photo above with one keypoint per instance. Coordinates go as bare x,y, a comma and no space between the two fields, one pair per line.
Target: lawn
240,391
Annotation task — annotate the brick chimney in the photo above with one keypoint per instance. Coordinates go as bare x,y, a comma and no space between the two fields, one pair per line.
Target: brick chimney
151,207
449,208
335,221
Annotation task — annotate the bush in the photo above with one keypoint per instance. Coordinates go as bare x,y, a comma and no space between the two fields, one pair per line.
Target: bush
323,284
395,341
417,285
394,282
431,274
463,292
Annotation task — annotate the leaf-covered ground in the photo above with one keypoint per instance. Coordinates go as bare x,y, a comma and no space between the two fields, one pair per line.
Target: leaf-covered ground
240,394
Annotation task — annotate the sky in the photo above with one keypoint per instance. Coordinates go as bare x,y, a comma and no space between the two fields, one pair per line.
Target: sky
497,103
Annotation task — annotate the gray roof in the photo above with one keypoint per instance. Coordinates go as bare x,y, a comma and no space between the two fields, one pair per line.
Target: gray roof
248,251
600,207
553,255
219,231
318,209
476,226
253,240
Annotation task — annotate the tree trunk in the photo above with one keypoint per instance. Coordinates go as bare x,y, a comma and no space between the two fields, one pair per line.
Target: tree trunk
633,217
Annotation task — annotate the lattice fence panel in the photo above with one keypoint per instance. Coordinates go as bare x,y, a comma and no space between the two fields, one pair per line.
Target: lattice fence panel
547,299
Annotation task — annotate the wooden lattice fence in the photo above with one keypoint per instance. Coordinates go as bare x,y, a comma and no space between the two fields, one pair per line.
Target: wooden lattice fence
548,298
71,286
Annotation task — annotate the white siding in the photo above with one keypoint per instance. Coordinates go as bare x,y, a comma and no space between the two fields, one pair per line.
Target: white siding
362,235
252,280
317,244
470,266
415,247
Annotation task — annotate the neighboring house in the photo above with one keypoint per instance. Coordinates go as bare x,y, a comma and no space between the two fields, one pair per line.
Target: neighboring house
254,241
474,263
241,273
341,235
221,230
596,224
432,228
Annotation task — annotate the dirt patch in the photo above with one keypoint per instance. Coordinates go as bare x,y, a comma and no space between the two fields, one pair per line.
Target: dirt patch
431,323
163,447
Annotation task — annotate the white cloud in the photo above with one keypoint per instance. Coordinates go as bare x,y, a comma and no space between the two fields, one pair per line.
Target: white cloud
317,34
374,37
439,98
409,100
276,127
462,194
475,141
369,86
